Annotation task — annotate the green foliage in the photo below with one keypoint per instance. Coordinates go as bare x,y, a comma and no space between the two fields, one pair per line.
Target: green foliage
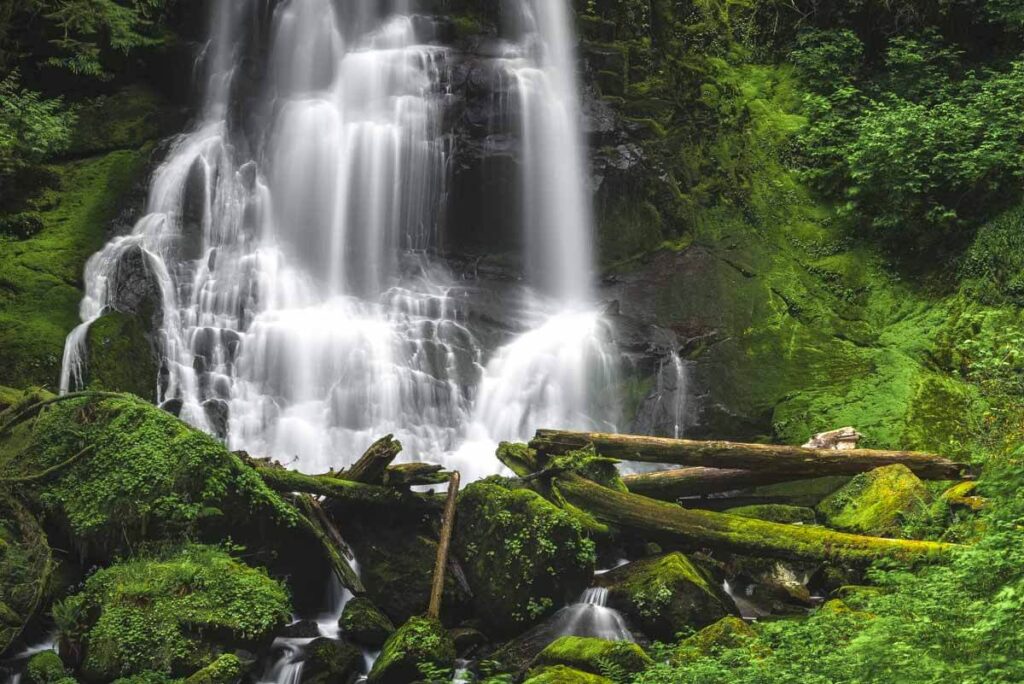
620,659
32,128
171,612
45,668
419,646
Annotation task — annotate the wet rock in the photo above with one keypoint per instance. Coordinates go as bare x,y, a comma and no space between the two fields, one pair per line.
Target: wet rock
774,587
875,503
364,623
217,413
303,629
328,661
839,440
729,632
467,640
665,595
590,655
135,288
418,641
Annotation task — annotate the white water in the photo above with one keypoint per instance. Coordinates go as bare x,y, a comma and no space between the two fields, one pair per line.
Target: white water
591,617
293,255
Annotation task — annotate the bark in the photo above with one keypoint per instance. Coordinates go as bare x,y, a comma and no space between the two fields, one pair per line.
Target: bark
443,544
345,492
777,459
317,524
407,475
370,467
734,534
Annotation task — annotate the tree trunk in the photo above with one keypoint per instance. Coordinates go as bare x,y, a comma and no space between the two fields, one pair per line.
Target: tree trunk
669,485
444,542
345,492
777,459
370,467
734,534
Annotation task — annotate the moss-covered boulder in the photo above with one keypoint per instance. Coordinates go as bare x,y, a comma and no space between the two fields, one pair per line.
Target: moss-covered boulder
127,472
729,632
363,623
224,670
780,513
594,655
121,356
46,668
329,661
523,556
420,641
771,585
665,595
25,568
173,612
560,674
876,502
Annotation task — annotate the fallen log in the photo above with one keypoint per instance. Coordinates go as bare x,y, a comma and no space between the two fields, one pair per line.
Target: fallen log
371,466
669,485
345,492
405,475
316,524
778,459
734,534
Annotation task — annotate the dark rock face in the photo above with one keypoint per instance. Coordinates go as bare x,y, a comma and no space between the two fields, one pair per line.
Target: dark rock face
135,288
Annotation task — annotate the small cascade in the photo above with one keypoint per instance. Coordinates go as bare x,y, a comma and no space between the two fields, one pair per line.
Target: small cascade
747,608
286,666
591,617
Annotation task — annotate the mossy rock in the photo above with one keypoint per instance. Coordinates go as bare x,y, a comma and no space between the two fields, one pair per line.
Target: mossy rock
126,119
800,493
665,595
418,641
594,655
121,356
224,670
45,668
729,632
364,623
523,557
780,513
560,674
329,661
172,612
876,502
140,474
25,568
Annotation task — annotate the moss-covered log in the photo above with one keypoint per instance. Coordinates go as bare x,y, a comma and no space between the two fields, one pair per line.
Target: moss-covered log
406,475
371,466
345,492
669,485
735,534
778,459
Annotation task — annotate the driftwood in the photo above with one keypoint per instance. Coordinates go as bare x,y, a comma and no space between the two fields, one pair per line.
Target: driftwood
793,461
734,534
346,493
371,466
669,485
443,544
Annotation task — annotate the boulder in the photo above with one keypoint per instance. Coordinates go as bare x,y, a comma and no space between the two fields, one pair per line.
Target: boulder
363,623
224,670
665,595
772,586
560,674
46,668
329,661
729,632
121,356
876,502
523,557
592,655
420,641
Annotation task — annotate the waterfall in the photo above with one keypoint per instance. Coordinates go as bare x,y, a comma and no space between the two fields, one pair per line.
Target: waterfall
293,234
590,616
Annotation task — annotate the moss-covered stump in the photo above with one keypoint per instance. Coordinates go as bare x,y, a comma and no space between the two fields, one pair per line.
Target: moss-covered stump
364,623
224,670
594,655
331,662
420,641
876,502
46,668
125,472
25,568
560,674
172,613
664,596
729,632
779,513
120,356
523,556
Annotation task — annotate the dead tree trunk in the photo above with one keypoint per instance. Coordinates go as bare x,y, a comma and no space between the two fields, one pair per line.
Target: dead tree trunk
447,524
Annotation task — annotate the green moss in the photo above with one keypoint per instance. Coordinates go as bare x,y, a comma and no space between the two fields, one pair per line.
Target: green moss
595,655
40,278
45,668
127,119
145,475
560,674
121,357
173,612
25,568
729,632
364,623
779,513
587,463
523,556
420,641
875,502
329,662
224,670
663,596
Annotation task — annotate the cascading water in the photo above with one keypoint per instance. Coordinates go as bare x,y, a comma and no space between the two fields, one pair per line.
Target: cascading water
291,235
591,617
